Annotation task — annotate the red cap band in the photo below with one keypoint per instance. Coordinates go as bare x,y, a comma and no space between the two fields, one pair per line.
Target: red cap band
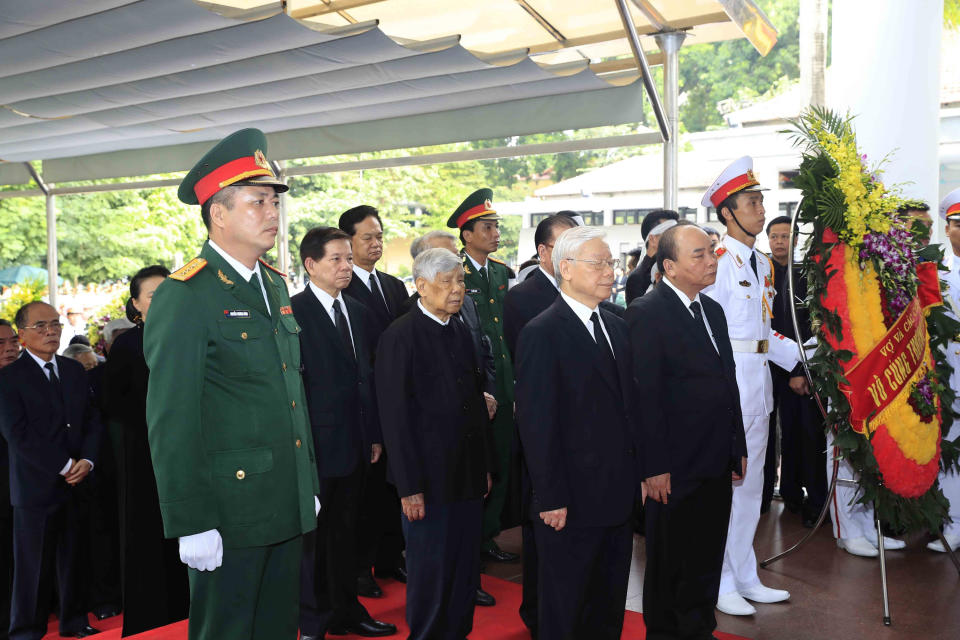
224,176
952,209
739,183
472,213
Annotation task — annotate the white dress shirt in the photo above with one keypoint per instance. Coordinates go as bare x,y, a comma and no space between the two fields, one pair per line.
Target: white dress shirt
46,372
365,277
687,302
430,315
584,312
327,301
245,272
477,265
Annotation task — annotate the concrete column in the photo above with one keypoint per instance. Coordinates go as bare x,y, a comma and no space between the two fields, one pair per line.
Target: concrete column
886,71
52,266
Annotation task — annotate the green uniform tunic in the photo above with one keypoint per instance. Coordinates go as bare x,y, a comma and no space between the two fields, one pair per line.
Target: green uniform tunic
488,294
228,429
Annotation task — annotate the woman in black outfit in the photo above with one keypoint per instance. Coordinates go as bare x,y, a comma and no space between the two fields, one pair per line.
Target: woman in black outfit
155,588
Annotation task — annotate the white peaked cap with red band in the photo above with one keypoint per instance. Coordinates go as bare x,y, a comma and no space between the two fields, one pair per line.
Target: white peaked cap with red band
950,205
738,176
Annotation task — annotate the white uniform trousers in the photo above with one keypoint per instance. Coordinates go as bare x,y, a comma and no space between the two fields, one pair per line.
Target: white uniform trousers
950,484
850,519
739,558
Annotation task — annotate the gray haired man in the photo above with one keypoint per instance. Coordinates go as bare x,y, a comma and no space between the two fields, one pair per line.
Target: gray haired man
436,428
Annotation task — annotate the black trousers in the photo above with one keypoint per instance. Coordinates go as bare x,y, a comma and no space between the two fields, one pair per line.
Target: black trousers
99,514
379,536
328,578
685,542
803,453
770,463
6,569
530,563
46,547
443,570
583,574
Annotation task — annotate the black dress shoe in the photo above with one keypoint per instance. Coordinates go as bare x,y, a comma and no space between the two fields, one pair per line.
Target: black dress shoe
368,587
399,574
82,632
484,599
369,628
497,554
108,611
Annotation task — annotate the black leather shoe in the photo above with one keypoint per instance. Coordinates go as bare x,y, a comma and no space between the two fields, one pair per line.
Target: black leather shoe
497,554
484,599
108,611
399,574
369,628
82,632
368,587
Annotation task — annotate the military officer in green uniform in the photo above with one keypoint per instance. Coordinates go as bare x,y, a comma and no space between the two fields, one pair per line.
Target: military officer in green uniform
487,280
226,413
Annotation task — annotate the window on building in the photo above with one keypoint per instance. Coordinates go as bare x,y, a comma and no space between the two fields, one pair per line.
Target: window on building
627,216
786,179
537,218
712,214
787,208
592,218
688,213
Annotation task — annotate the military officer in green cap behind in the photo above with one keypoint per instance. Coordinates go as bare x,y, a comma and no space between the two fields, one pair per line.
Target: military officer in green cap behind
487,280
226,413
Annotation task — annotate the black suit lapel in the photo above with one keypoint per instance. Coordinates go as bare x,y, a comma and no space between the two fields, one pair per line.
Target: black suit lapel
580,337
620,345
357,329
690,325
363,294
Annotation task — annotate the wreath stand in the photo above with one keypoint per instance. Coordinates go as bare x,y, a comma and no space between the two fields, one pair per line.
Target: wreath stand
835,480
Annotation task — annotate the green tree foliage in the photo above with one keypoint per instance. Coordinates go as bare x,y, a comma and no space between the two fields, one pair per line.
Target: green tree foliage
951,14
712,72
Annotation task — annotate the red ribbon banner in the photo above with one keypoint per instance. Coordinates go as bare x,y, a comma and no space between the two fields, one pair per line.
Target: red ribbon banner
879,377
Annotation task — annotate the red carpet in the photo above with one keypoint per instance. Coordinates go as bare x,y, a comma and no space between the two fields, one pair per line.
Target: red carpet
489,623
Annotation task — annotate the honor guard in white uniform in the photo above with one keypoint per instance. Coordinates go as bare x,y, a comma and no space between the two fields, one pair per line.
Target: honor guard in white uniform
950,482
745,290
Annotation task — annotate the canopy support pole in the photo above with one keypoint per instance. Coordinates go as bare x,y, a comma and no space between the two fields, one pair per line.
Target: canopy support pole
631,30
52,276
283,241
670,43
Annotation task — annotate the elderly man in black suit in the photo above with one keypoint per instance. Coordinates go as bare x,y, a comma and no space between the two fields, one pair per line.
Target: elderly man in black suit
576,414
337,376
379,540
436,428
9,352
694,444
48,418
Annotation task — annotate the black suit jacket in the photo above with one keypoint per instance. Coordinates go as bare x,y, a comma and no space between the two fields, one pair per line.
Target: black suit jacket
44,433
639,279
393,291
432,412
340,396
691,422
577,422
481,343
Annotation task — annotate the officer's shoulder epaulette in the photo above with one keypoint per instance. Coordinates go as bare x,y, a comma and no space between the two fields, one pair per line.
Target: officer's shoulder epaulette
510,272
721,251
272,268
189,270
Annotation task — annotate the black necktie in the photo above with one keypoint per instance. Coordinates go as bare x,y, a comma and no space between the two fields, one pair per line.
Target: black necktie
255,283
698,316
601,338
483,276
342,327
375,289
753,264
54,380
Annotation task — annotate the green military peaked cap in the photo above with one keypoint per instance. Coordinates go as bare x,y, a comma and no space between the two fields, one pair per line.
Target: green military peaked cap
238,159
477,205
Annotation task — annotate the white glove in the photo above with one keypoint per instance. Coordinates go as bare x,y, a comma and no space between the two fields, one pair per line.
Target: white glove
202,551
316,504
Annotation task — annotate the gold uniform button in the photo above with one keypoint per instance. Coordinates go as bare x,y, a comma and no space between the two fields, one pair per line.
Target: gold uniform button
275,331
748,296
293,404
298,443
496,319
284,366
491,300
241,474
243,335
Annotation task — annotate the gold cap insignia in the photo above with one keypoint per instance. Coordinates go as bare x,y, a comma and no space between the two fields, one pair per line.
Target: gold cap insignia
261,160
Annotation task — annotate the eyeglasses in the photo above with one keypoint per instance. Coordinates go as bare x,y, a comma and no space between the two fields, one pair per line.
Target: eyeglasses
598,265
42,327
